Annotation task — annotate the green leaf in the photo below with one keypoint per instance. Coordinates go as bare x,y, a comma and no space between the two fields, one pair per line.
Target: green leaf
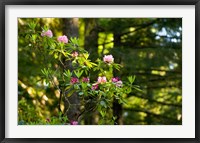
76,87
131,79
103,113
78,73
45,28
46,72
137,88
117,66
86,55
74,42
84,85
34,36
65,119
80,93
123,101
128,90
70,93
32,25
68,73
103,103
68,87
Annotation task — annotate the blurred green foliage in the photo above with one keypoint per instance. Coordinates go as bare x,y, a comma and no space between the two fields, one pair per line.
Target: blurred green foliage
150,48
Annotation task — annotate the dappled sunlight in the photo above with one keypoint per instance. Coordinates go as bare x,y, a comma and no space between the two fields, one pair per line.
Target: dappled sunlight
161,73
105,42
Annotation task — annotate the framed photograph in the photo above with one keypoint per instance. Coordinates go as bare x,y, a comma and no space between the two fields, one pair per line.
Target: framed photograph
99,71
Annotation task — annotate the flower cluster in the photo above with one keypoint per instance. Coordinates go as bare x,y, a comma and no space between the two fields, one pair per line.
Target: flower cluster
73,122
101,79
85,79
63,39
108,59
74,80
117,81
47,33
75,54
95,86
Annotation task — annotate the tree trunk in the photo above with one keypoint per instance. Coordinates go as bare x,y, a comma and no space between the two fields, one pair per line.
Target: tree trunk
91,45
117,108
72,103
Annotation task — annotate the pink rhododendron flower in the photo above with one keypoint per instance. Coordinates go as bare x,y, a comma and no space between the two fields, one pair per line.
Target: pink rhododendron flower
115,79
95,86
74,80
74,54
119,83
47,33
74,123
102,79
63,39
85,79
108,59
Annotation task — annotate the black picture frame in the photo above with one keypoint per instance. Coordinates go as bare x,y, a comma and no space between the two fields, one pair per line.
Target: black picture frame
3,4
